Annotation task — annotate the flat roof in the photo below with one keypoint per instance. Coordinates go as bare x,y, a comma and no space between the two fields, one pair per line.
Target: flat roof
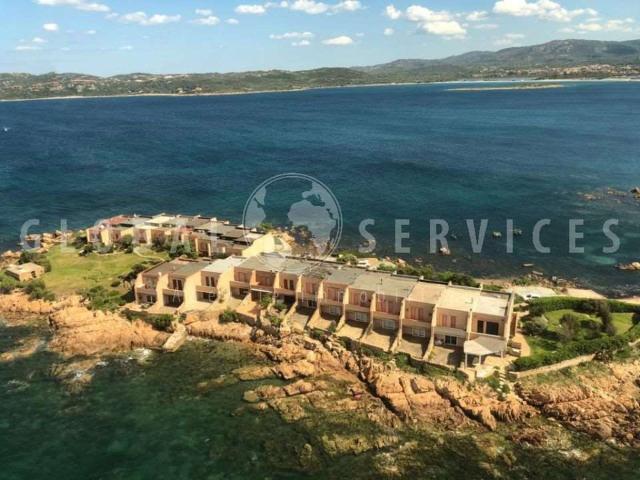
344,275
458,298
189,268
190,221
135,221
425,292
385,284
222,265
161,219
494,304
166,267
264,263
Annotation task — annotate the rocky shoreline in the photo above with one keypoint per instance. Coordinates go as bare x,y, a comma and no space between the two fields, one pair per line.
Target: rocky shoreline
323,377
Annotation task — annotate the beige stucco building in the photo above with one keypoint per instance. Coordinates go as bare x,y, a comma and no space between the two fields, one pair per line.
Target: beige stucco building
379,310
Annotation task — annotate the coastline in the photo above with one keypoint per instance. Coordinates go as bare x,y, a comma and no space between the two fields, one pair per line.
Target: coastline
367,85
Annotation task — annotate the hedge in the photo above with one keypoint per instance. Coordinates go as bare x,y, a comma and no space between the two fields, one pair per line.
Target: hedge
549,304
578,348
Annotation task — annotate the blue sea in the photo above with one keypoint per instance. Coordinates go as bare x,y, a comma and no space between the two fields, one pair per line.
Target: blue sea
394,152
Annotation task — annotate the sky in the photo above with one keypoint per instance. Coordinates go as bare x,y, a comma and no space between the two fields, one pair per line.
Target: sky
108,37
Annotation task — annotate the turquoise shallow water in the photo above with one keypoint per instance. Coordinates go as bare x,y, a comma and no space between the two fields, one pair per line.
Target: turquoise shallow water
410,152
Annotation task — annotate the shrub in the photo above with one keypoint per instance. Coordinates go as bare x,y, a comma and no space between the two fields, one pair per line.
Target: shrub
265,301
274,320
601,346
34,257
387,267
37,290
8,284
87,249
160,322
548,304
100,298
228,316
182,250
535,325
569,326
280,306
636,318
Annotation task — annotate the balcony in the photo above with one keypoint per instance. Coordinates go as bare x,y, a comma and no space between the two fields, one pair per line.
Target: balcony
450,332
205,289
172,293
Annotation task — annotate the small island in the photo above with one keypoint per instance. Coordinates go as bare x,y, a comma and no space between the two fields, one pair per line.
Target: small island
524,86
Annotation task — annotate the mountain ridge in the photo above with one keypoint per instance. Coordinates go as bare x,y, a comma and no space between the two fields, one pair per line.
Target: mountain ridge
558,59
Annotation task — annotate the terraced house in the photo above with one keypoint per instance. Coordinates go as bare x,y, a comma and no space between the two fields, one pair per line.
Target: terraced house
208,237
394,313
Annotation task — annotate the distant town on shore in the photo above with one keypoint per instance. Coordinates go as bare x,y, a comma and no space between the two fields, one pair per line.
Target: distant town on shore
556,60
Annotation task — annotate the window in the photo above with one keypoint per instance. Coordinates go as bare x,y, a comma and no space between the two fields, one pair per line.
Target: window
288,284
388,324
418,332
210,281
493,328
453,323
360,317
448,340
333,310
207,297
480,326
177,284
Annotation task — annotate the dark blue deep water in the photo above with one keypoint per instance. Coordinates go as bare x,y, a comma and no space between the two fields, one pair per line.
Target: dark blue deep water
408,152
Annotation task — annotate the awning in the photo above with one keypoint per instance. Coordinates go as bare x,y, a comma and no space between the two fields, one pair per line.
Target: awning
482,346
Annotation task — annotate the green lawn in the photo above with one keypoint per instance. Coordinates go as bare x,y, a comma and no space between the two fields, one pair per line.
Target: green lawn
549,341
70,272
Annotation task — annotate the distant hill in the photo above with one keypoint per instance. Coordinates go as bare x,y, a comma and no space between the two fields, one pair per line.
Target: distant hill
552,60
558,53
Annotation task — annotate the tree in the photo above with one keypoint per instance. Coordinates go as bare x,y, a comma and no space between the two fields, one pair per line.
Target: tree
604,312
569,326
131,276
126,243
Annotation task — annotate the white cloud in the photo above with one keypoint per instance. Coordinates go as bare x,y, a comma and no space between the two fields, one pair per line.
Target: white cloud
509,39
476,16
624,25
486,26
232,21
309,6
141,18
301,43
126,48
209,21
388,32
251,9
90,32
291,35
51,27
77,4
38,40
450,29
543,9
204,12
342,40
25,48
441,23
392,12
347,6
